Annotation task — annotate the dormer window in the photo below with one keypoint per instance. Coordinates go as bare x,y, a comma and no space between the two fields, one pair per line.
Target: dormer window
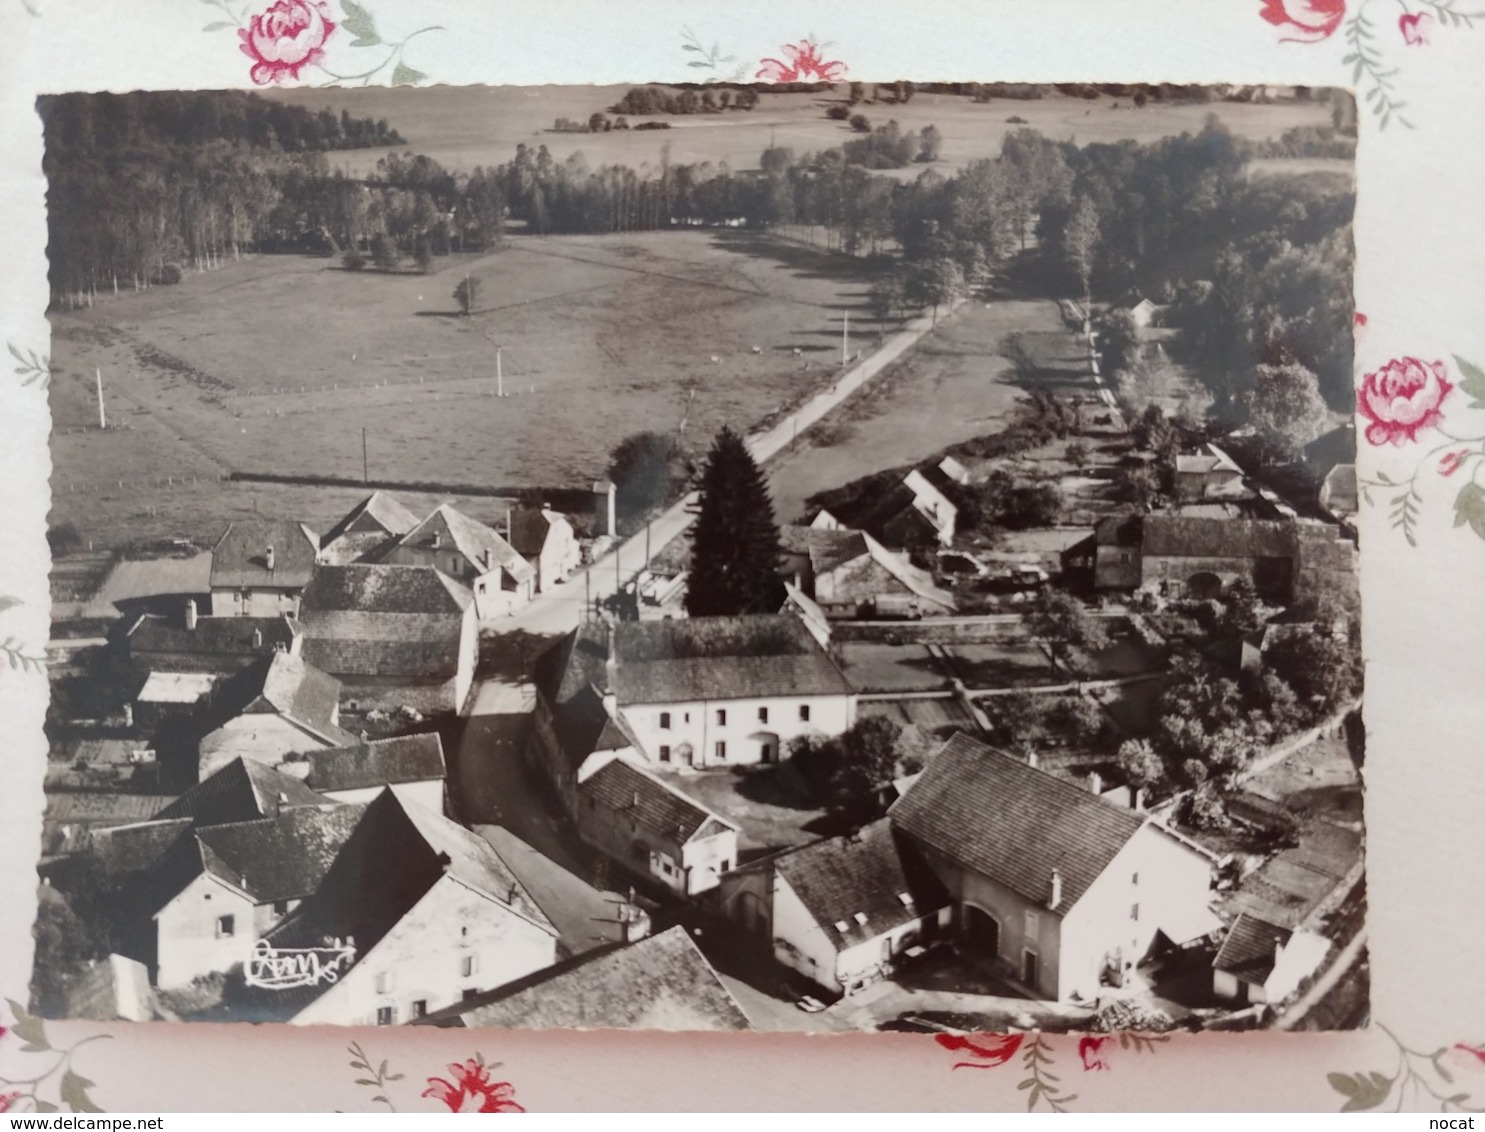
905,899
861,918
842,927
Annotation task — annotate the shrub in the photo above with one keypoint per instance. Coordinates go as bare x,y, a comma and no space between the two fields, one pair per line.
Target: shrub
838,113
353,260
861,123
1206,811
169,274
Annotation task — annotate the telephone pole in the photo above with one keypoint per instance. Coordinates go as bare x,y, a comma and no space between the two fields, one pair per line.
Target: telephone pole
845,338
499,376
365,474
102,419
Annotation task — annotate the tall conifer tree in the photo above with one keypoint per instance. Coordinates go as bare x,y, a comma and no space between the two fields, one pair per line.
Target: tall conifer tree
735,546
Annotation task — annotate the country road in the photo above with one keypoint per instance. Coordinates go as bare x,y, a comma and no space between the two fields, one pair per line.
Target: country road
559,610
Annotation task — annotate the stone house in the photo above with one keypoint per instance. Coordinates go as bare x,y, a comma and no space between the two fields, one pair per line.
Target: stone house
471,553
368,528
1260,962
547,541
260,567
849,573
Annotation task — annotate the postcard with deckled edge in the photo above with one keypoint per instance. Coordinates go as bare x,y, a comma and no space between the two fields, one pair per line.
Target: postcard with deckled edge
778,547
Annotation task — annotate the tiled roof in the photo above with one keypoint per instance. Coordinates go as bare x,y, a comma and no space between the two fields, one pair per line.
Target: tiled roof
378,516
654,806
584,917
243,790
240,557
660,983
284,857
825,548
917,580
1181,536
1249,951
350,650
582,725
1013,823
128,849
1118,530
227,637
283,683
869,874
380,762
473,539
375,588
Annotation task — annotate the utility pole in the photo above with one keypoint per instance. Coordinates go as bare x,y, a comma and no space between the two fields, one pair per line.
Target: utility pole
845,338
365,474
102,419
588,594
499,376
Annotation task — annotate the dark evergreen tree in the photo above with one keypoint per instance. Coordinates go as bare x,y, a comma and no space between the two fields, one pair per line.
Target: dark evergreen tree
735,546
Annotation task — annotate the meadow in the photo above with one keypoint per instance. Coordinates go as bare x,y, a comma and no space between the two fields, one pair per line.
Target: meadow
599,337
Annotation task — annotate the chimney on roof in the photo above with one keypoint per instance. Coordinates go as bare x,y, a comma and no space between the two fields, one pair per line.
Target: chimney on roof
1095,782
191,614
1056,897
436,540
268,557
257,639
486,559
1137,798
635,800
1031,759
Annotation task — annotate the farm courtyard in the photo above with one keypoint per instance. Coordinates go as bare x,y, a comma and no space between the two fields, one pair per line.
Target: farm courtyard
599,337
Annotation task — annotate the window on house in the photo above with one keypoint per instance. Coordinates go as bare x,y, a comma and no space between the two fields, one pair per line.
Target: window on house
721,717
665,754
383,982
665,721
804,713
482,587
721,749
1136,879
469,993
226,927
763,715
420,1008
1033,922
454,566
1134,912
467,965
686,717
280,907
724,866
386,1015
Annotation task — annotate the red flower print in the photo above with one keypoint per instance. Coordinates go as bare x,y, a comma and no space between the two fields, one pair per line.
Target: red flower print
1414,27
8,1099
985,1051
1468,1056
1095,1053
1451,462
471,1090
1360,321
1402,398
1308,21
286,38
805,65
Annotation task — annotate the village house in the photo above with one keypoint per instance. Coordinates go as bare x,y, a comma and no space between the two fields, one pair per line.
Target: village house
1209,474
650,827
845,911
242,790
547,541
393,635
368,528
471,553
412,765
704,691
849,574
1065,890
259,568
1260,962
432,913
218,889
276,705
659,983
190,643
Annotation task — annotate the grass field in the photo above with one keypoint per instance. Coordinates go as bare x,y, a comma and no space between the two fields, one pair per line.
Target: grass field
461,127
600,337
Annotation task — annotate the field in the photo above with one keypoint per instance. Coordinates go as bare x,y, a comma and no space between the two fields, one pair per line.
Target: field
462,127
600,337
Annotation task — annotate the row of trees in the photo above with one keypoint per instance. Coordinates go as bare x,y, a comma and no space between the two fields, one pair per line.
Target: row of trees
708,100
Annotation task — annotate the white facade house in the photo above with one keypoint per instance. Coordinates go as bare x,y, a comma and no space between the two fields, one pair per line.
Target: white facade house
546,540
471,553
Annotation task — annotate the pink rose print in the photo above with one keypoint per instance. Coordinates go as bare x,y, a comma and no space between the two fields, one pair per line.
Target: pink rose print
805,65
1402,398
1451,462
8,1099
1414,27
1308,21
471,1090
1360,320
285,38
1095,1053
985,1051
1468,1057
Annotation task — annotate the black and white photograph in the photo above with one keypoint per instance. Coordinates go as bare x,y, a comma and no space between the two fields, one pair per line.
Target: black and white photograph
803,556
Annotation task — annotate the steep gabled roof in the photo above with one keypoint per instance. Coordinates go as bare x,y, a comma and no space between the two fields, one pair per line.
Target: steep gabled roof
278,858
1013,823
530,528
240,557
918,581
1191,537
1250,949
653,805
472,539
378,513
243,790
214,642
660,983
377,588
380,762
863,884
281,683
376,620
